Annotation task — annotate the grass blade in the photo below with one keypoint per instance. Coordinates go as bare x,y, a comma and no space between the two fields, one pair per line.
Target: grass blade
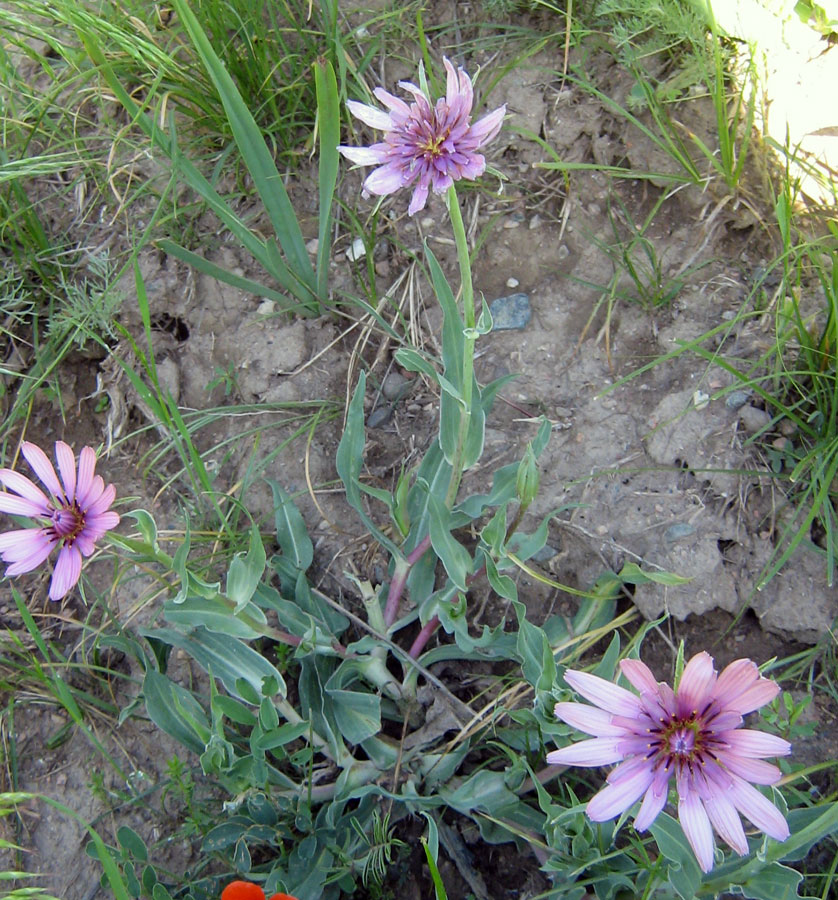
328,124
255,153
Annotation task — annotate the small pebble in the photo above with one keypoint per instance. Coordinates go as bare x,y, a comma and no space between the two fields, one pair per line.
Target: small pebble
535,221
511,313
512,282
563,252
395,386
737,399
677,531
313,246
266,308
700,399
379,417
356,251
545,554
427,222
753,419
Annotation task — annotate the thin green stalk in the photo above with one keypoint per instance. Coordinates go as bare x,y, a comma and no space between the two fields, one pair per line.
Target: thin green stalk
469,336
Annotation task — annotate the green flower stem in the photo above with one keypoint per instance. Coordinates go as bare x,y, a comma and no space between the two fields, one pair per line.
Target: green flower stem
469,340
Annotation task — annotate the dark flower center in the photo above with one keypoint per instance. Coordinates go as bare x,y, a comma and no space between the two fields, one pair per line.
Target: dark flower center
67,522
681,738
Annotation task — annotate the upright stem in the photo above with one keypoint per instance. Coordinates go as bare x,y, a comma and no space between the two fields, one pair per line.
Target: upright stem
469,340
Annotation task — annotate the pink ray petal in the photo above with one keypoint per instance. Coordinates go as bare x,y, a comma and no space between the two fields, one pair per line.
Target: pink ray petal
757,695
26,557
364,156
758,810
369,115
67,468
619,796
696,685
595,752
757,744
725,819
42,467
602,693
87,468
96,526
419,197
385,180
589,719
639,675
27,489
757,771
654,800
102,502
66,574
395,104
696,824
487,128
20,506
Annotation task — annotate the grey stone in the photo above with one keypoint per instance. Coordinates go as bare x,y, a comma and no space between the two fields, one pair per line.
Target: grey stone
380,416
395,386
753,419
677,531
511,313
737,399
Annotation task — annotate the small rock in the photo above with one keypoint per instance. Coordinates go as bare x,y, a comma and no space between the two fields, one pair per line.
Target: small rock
313,246
737,399
535,221
511,313
677,531
512,282
753,419
382,268
545,554
395,386
427,222
700,399
266,308
787,428
168,377
356,251
563,252
380,416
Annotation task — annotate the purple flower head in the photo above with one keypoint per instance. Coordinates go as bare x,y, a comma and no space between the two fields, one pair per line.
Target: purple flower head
74,515
431,146
693,734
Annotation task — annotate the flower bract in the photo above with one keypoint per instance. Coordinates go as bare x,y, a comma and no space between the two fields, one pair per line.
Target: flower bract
692,734
246,890
74,515
427,146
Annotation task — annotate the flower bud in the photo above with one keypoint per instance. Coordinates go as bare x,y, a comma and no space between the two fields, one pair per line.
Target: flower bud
526,484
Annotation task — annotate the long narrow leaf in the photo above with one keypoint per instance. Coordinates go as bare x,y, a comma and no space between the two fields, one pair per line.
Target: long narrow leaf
328,123
215,271
255,153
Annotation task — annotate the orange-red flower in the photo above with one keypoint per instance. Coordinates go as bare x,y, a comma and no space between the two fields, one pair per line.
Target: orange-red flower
246,890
